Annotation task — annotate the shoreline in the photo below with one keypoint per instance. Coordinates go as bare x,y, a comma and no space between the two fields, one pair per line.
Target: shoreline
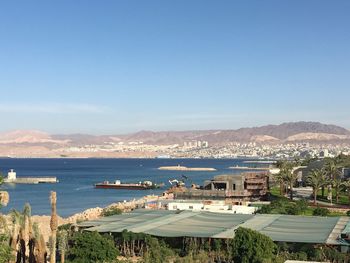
43,221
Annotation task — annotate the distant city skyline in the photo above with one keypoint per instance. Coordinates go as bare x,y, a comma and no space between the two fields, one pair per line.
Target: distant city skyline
119,67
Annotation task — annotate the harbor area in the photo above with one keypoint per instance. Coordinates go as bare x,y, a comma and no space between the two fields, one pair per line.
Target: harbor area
13,179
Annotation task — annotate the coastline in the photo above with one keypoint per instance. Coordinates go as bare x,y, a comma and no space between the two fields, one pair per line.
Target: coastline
43,221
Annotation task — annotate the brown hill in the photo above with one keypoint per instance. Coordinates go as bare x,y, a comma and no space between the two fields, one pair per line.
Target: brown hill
286,132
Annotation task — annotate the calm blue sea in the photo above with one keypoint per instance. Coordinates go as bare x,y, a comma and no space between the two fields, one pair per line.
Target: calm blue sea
75,191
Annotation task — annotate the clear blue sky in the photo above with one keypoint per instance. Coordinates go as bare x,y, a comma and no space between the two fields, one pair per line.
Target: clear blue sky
107,67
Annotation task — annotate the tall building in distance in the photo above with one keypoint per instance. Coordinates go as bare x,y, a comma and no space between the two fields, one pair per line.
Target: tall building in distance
196,144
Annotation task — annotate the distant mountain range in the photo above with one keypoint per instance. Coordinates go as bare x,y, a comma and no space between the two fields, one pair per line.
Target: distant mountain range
283,133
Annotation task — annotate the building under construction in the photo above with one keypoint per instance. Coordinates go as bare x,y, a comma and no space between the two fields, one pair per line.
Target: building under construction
236,188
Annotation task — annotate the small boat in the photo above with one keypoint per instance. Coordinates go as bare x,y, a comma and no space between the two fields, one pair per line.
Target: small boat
118,185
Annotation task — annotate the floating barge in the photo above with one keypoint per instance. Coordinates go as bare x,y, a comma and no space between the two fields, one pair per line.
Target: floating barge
13,179
146,185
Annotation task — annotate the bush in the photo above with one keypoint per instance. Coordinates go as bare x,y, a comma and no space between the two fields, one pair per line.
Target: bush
111,211
320,211
348,213
284,206
5,249
265,209
301,206
91,247
157,251
251,246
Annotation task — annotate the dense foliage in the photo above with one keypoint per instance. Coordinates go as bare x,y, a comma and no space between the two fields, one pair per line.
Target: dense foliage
111,211
91,247
320,211
5,249
326,174
249,246
284,206
246,246
157,251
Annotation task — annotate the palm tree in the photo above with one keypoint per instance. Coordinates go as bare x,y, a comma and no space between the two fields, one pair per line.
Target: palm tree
38,245
333,172
281,180
316,179
286,172
16,223
26,230
63,243
281,176
53,226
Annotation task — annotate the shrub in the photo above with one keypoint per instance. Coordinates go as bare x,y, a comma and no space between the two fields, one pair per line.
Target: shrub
157,251
91,247
111,211
348,213
320,211
301,206
5,249
265,209
251,246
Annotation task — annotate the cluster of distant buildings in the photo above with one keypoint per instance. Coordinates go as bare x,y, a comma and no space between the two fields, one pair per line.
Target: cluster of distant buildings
196,144
203,149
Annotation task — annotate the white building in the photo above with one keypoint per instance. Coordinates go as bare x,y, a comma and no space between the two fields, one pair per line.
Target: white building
11,175
217,206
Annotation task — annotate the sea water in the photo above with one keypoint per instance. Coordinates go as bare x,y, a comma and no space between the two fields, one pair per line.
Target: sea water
75,190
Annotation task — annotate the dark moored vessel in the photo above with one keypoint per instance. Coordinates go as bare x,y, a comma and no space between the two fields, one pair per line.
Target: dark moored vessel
118,185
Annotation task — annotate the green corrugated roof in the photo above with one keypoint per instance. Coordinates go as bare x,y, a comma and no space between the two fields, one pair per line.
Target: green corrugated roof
164,223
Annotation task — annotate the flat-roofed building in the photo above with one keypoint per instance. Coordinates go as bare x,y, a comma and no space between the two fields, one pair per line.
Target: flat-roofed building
238,188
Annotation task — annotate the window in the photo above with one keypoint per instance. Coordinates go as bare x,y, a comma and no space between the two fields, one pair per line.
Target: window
220,186
190,207
234,187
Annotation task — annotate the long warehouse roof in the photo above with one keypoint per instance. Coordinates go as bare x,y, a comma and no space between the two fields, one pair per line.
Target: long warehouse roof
164,223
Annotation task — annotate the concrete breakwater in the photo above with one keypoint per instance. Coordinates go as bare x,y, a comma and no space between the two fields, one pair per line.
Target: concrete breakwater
31,180
184,168
12,178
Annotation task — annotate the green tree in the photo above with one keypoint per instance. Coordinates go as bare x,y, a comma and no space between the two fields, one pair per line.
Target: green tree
289,176
316,179
280,179
249,246
157,251
91,247
333,171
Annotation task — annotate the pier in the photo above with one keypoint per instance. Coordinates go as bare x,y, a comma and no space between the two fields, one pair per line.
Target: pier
12,178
